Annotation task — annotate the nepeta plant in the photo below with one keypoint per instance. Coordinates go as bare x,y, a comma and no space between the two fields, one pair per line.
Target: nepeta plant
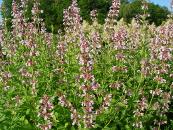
91,76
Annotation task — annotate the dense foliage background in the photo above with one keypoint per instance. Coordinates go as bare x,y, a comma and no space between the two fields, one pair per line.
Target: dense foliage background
53,11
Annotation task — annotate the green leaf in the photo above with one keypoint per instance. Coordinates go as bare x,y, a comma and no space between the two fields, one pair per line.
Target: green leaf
26,122
66,125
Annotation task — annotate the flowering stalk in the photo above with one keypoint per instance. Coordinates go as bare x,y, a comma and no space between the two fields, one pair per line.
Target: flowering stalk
45,112
89,84
75,117
112,14
17,21
93,15
72,22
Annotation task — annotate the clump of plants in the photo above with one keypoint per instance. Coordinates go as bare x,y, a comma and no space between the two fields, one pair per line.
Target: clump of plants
111,76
